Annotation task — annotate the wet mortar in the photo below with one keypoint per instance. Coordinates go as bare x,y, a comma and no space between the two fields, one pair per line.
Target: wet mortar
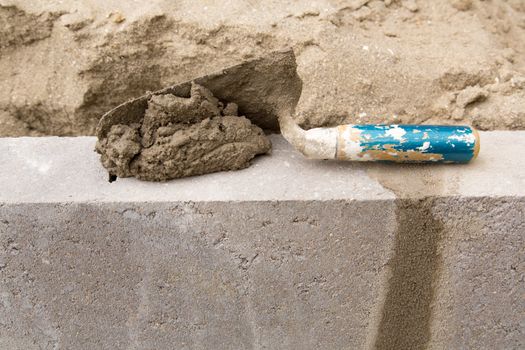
179,137
406,315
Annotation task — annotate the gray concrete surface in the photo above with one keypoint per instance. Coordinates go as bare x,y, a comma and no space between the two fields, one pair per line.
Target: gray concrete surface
480,290
54,169
287,254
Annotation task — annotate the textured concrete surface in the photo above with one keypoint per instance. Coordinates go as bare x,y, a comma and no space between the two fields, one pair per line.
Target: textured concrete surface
240,275
287,254
60,169
480,294
53,169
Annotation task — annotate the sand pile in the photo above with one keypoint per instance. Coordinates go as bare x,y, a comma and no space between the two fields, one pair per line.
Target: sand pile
181,137
64,63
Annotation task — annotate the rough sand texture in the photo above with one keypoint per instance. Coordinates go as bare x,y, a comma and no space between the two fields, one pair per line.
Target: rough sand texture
64,63
180,137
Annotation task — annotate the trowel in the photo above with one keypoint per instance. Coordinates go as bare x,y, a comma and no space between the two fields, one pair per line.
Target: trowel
267,90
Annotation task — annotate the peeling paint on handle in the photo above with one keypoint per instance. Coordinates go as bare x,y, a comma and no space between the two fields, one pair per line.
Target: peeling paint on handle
396,143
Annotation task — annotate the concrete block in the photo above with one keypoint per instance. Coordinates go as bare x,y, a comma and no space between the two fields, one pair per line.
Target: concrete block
279,255
286,254
193,275
62,169
480,287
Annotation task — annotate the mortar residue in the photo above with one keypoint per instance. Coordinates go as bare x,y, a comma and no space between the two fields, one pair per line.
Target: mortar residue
180,137
415,268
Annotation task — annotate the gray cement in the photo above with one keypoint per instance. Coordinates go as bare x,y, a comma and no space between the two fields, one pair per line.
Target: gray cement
319,255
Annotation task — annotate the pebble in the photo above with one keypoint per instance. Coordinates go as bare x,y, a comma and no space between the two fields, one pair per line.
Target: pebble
470,95
411,5
461,5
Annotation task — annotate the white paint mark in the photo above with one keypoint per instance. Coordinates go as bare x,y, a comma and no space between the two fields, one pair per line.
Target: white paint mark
396,132
320,143
351,149
362,115
365,48
426,145
468,138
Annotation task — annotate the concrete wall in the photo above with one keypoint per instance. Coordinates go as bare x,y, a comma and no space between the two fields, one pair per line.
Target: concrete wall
287,254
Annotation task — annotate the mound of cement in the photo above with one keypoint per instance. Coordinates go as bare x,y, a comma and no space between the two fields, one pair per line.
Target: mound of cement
181,137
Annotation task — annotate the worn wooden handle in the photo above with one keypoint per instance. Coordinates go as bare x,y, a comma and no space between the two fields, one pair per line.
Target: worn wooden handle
395,143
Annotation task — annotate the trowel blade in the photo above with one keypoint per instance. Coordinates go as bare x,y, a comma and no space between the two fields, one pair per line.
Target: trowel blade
263,88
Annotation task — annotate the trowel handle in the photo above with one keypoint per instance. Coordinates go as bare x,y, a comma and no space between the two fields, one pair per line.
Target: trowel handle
396,143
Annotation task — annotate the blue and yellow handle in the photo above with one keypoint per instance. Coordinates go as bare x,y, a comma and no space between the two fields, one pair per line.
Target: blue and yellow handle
394,143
